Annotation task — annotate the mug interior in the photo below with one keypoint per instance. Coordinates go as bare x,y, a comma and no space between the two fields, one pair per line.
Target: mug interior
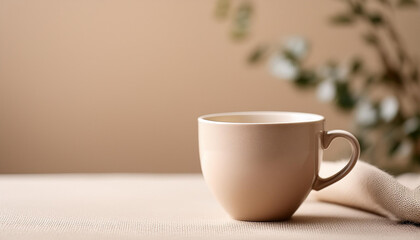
262,117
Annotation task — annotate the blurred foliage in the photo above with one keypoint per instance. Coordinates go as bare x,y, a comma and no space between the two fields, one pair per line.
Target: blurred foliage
394,117
241,16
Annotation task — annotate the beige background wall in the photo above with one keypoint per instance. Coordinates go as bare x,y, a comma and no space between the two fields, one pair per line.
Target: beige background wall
116,86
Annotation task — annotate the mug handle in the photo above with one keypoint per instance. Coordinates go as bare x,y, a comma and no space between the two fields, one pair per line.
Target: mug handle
326,138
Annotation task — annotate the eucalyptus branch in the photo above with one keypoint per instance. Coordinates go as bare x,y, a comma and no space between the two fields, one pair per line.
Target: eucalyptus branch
394,119
392,72
411,85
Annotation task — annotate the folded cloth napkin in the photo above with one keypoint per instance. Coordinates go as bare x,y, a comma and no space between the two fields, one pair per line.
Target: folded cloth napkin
371,189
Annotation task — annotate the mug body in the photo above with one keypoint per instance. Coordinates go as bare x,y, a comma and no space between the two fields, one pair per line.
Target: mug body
260,165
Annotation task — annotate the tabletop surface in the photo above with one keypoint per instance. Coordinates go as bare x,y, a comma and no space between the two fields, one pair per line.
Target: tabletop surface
149,206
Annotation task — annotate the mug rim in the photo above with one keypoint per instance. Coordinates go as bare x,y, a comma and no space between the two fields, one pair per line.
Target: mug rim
312,117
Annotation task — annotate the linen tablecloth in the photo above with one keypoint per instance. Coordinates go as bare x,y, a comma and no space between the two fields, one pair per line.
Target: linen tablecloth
142,206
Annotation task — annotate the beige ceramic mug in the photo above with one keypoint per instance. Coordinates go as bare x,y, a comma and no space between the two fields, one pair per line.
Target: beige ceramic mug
262,165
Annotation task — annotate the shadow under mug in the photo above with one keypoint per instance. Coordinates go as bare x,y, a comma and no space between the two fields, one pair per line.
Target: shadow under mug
262,165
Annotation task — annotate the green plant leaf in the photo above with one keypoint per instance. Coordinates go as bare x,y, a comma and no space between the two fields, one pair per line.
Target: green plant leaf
415,133
345,99
258,54
289,55
364,144
356,65
407,3
375,19
358,9
370,38
393,147
222,8
306,78
241,21
342,19
416,158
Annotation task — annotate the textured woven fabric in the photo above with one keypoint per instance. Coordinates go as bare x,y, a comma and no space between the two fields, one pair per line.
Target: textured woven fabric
129,206
368,188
